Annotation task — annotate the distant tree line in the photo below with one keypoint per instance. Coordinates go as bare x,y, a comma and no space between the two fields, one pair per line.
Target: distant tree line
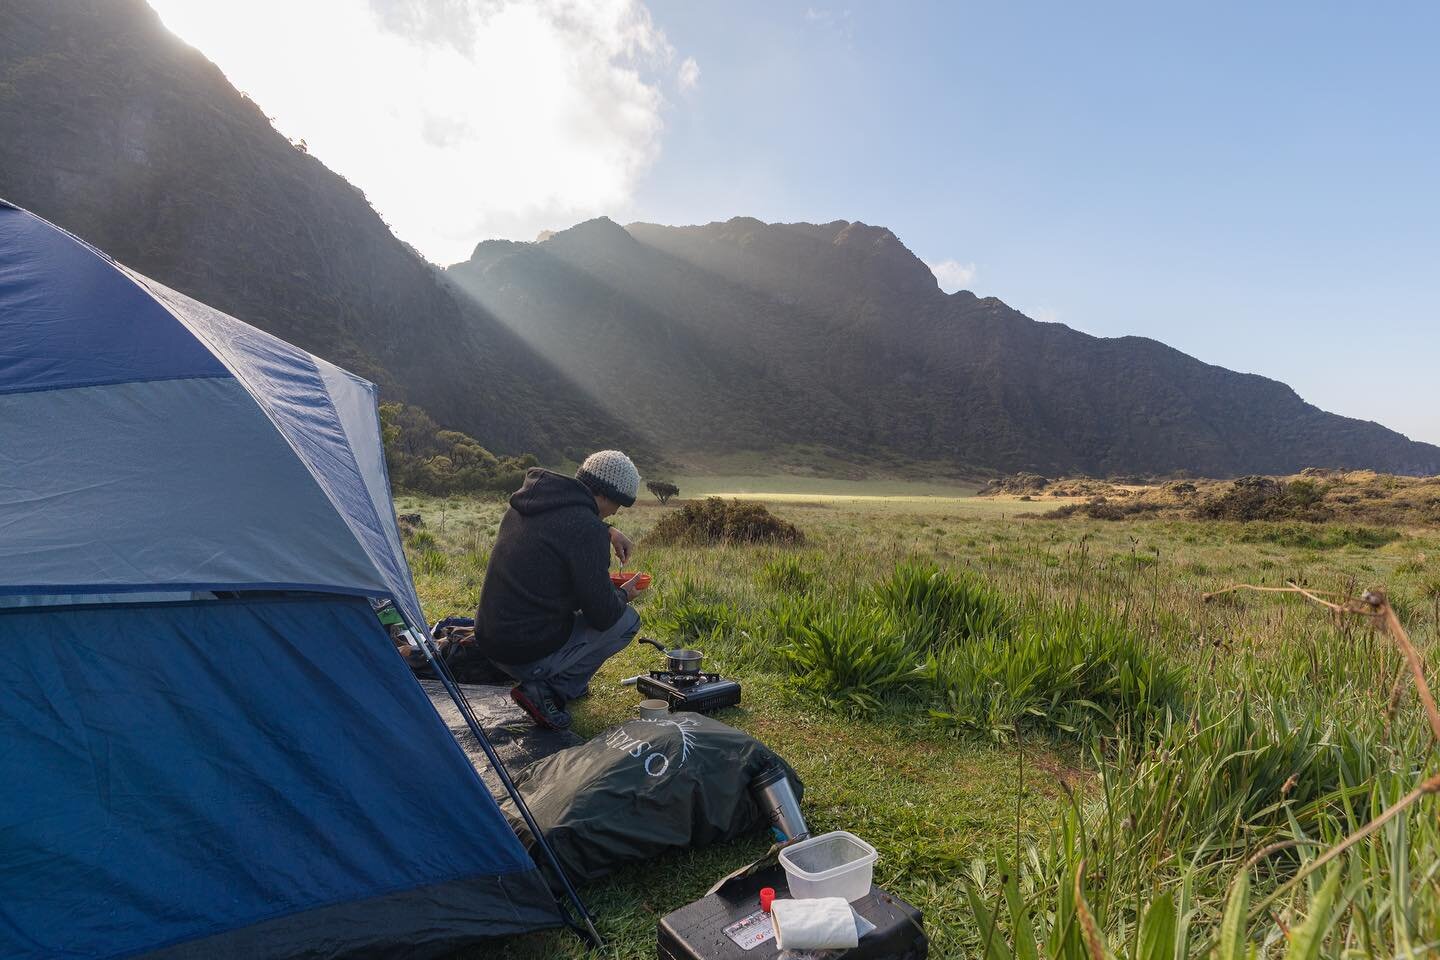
423,458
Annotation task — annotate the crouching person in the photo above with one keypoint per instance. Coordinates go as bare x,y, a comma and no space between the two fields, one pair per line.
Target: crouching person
549,615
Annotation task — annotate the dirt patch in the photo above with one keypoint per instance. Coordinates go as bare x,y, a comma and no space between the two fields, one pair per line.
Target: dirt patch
1061,772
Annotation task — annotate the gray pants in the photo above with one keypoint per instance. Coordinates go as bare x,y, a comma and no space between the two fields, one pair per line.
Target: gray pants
567,671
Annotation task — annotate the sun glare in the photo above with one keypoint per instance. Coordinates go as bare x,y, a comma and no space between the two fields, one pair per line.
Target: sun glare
461,122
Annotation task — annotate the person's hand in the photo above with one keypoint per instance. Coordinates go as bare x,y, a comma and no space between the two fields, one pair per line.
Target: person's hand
631,590
622,544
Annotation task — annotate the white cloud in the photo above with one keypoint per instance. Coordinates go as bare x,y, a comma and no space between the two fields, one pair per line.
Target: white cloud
460,120
689,74
952,274
840,22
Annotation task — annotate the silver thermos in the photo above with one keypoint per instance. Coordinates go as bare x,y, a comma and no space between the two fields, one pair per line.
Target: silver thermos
776,798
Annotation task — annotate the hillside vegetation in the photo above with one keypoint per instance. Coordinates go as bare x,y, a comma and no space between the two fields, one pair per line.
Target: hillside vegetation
423,458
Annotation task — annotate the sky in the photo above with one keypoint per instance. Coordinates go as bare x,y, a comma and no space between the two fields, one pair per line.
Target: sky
1257,185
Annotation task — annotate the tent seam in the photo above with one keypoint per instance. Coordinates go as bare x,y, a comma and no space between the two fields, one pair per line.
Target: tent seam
90,384
66,589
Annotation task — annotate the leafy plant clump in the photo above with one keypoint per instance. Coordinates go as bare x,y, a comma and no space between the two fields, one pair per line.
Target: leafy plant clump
714,521
937,607
849,659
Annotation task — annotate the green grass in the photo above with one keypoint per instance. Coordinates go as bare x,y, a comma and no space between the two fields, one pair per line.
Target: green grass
988,699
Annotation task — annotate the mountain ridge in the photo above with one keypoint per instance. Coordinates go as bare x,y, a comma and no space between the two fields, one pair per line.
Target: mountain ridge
840,325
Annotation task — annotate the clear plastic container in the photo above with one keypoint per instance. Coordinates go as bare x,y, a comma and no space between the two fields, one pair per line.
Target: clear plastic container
837,864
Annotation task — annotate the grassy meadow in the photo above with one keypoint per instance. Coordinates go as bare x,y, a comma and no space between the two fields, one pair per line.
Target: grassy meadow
992,699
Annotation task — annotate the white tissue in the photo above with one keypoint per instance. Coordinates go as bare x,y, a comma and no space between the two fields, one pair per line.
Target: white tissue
826,923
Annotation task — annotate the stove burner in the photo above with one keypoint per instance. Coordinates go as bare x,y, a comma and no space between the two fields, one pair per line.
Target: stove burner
677,679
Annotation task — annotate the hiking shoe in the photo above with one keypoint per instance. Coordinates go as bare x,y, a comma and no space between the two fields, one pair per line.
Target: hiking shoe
540,704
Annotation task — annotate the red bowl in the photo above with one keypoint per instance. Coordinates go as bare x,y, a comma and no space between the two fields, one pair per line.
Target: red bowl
620,579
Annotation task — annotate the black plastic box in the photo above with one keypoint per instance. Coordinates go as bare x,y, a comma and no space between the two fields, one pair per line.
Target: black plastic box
697,931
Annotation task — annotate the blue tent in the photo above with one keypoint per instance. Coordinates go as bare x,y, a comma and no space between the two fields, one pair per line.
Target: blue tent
209,745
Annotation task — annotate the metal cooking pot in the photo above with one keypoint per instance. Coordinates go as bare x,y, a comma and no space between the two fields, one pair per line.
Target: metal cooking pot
679,660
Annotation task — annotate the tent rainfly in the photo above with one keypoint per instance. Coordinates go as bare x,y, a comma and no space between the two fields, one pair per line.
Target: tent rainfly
209,746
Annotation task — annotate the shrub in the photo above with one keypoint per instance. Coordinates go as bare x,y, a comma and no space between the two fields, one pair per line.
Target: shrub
1264,498
716,521
1019,483
1100,508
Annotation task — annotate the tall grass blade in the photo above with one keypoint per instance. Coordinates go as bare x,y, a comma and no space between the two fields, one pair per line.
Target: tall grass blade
1305,940
1232,926
1157,930
1022,930
988,924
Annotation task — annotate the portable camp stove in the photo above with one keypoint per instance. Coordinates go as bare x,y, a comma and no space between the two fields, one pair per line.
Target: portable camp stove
696,692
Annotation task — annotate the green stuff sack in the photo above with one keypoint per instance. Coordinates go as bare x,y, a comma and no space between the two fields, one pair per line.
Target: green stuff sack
643,789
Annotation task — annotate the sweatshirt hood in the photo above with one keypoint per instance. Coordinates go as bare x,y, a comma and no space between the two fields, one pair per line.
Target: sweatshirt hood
545,490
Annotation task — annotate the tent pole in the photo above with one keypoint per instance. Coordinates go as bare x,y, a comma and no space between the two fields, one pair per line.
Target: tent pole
442,670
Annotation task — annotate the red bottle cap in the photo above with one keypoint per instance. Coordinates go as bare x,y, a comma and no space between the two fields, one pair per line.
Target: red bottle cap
767,897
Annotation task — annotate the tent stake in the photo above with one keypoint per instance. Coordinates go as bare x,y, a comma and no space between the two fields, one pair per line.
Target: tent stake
442,670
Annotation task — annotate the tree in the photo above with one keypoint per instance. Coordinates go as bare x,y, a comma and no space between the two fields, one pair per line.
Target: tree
662,489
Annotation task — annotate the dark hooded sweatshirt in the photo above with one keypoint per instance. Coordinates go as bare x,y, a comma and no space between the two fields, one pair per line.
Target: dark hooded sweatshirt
551,558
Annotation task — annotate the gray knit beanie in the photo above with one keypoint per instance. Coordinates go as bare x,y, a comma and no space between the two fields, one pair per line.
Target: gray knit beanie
610,474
